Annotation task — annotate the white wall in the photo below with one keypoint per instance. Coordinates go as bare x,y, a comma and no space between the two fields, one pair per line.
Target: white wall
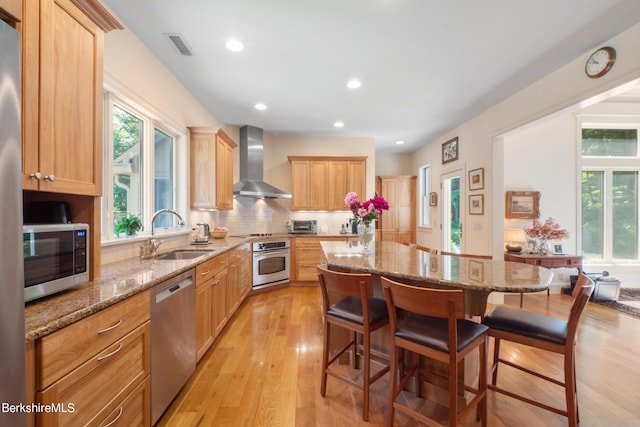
485,141
390,164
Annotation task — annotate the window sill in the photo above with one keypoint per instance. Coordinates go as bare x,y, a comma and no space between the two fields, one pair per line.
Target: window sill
143,237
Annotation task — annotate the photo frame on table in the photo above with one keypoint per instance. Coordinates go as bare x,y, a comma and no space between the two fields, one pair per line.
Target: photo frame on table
433,199
450,151
557,249
476,179
522,204
531,245
476,204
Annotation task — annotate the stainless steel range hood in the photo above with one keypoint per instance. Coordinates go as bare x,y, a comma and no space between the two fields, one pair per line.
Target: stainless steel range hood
251,182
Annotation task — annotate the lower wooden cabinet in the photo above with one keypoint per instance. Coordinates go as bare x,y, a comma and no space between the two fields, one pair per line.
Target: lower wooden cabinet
96,366
307,254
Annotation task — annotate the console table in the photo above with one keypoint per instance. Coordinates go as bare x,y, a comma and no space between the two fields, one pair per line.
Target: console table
548,261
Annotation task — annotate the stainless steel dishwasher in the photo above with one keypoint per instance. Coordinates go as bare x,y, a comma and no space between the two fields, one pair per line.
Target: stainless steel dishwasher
173,339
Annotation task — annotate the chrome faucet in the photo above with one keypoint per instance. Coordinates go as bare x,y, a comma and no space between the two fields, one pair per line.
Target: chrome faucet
151,248
155,215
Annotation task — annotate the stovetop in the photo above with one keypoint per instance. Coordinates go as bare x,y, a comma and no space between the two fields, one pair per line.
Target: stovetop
254,235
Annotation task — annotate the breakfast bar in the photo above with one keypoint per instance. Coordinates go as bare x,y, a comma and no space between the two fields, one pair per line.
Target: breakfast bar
477,277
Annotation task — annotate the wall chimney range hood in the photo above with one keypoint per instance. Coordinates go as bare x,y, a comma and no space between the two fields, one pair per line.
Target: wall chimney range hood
251,182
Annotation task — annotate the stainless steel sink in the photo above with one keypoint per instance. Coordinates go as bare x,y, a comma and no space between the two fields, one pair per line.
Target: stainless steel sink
182,254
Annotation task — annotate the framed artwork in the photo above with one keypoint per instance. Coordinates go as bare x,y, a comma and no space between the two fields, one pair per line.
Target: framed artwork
522,204
476,204
433,199
557,249
450,151
531,246
476,270
476,179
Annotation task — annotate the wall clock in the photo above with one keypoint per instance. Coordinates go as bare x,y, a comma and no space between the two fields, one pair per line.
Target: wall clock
600,62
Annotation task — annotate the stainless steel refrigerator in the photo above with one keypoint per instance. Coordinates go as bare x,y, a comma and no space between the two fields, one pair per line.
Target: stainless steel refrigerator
12,345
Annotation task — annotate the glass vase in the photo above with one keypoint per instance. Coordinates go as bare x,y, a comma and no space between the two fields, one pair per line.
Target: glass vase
366,232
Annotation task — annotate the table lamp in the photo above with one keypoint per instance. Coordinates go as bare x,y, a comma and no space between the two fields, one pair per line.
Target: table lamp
514,239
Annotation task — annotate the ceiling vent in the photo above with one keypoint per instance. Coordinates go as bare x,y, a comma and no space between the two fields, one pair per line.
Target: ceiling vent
178,42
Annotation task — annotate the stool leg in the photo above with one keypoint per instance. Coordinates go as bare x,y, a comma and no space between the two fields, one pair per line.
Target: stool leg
570,390
496,356
521,299
325,360
393,379
367,376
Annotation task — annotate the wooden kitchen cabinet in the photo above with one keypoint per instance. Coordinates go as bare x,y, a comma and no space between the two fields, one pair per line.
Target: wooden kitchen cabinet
307,254
211,168
97,367
320,183
210,313
62,66
239,283
398,224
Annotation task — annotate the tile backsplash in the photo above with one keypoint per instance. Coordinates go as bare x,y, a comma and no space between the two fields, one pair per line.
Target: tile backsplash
251,215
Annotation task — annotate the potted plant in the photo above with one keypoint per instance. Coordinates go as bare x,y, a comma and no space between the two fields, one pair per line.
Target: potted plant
129,224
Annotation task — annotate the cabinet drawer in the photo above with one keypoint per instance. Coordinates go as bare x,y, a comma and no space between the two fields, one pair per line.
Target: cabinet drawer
209,268
308,242
133,411
106,378
310,256
307,272
64,350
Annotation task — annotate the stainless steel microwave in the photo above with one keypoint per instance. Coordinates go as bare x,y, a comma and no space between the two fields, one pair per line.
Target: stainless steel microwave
56,258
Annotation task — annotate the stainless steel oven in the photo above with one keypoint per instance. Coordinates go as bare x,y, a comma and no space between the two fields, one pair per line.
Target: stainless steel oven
270,263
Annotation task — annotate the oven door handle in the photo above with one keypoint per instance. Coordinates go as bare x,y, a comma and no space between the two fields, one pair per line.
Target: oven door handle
269,254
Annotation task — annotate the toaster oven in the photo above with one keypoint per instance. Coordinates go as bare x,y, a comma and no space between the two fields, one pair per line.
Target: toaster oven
298,226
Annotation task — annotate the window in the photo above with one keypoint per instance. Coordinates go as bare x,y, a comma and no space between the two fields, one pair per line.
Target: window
141,159
610,173
425,188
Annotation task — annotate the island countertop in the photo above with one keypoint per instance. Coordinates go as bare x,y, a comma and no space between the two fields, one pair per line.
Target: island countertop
400,261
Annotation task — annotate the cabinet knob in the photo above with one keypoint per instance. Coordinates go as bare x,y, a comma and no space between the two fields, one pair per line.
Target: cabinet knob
50,178
36,175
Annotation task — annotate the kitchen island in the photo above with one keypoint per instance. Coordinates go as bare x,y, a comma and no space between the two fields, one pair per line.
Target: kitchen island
477,277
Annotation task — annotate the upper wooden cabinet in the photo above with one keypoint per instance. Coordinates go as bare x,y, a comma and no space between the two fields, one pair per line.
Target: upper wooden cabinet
320,183
62,50
398,224
211,168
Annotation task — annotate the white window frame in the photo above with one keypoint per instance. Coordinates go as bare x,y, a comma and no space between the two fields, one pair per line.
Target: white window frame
607,165
151,120
424,185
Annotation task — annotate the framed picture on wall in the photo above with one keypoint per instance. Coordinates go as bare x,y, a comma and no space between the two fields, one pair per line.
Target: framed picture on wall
450,151
476,204
476,179
522,204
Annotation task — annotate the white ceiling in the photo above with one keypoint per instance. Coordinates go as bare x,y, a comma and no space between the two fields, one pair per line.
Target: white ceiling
426,66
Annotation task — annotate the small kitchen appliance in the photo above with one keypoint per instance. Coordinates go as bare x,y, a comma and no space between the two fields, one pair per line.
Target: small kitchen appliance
201,234
298,226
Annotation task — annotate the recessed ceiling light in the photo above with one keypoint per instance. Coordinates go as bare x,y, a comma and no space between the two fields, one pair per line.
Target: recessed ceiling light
338,124
260,106
399,142
235,45
354,84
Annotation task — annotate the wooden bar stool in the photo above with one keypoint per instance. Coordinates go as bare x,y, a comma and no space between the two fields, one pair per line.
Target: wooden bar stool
358,311
546,333
433,326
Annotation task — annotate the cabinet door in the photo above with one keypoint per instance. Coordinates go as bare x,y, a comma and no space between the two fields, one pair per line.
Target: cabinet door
357,177
203,175
299,185
224,175
318,178
70,140
388,190
204,318
337,185
220,301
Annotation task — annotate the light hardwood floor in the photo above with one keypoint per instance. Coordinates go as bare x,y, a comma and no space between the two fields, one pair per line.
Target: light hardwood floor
264,370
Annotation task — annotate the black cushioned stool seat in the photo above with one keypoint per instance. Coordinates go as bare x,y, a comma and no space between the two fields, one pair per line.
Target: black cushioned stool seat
526,323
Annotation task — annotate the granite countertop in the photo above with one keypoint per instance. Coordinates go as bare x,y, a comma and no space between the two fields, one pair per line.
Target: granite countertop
401,261
118,281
